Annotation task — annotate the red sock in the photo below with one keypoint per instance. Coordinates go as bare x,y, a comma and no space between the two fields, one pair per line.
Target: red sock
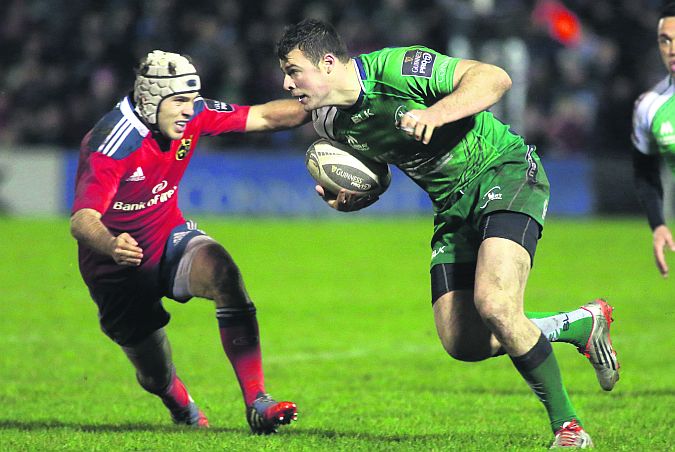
176,395
240,338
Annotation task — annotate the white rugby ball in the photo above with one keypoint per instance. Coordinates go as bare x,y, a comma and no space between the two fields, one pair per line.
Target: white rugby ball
333,166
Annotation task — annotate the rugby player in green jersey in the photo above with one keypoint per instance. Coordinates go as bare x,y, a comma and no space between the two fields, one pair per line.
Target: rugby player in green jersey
427,114
654,140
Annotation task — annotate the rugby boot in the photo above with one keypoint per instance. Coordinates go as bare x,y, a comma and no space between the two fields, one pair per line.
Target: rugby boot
598,348
189,415
572,435
265,414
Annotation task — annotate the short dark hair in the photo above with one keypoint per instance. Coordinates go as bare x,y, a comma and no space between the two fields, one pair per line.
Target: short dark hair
668,10
314,38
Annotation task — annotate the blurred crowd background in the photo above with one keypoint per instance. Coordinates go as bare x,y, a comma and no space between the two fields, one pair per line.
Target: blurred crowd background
577,65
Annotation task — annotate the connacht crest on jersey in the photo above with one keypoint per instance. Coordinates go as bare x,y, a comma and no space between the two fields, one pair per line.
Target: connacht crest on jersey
184,148
399,114
666,134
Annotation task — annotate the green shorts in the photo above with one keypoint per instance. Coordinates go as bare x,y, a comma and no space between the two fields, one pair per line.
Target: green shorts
515,182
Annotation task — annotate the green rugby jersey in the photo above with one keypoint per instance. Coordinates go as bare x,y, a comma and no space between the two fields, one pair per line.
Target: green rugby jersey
654,122
396,80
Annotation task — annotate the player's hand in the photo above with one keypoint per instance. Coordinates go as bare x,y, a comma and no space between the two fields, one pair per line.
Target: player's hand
420,124
124,250
662,239
345,200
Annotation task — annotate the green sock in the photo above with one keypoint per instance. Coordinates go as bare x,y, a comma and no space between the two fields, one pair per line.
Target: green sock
540,369
573,327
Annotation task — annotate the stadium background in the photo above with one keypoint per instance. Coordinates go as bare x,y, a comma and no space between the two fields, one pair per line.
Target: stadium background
577,68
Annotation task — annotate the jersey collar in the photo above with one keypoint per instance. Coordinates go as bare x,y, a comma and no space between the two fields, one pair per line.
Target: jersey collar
360,75
127,109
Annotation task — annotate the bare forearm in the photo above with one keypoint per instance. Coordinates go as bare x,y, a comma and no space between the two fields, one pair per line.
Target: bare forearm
87,228
479,88
276,115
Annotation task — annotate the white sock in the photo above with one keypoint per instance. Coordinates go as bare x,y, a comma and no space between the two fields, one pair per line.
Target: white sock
552,326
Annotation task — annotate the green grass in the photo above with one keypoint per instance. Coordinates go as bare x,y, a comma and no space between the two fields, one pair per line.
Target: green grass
347,333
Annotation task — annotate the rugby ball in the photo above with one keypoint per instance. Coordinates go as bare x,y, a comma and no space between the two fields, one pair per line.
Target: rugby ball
334,166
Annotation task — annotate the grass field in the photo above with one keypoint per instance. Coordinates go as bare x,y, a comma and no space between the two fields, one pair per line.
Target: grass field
347,333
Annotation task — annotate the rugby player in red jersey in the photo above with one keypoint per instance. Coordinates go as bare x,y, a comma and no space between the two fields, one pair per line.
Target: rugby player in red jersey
135,246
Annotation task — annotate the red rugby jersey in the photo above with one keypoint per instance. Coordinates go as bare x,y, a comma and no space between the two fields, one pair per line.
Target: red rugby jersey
124,175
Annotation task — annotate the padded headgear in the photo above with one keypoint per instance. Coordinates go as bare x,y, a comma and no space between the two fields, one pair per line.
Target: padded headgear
160,75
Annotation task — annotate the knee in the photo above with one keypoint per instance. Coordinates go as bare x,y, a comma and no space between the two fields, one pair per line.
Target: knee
224,278
496,310
225,272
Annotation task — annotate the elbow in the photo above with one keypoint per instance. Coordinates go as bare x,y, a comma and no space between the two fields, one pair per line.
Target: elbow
78,222
74,229
497,80
505,81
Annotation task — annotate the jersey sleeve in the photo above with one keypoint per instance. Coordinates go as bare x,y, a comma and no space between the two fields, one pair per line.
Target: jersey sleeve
216,117
97,181
420,71
641,135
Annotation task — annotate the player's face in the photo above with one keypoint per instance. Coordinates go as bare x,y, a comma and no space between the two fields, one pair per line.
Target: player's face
174,113
306,81
666,39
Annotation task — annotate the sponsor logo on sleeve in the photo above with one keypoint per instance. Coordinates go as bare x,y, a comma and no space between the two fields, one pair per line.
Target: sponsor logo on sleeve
532,167
418,63
216,105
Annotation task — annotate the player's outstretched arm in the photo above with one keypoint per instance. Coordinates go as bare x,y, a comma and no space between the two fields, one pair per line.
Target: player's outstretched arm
663,239
476,87
276,115
87,228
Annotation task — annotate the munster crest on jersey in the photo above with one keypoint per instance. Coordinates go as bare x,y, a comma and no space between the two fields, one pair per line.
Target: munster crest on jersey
184,148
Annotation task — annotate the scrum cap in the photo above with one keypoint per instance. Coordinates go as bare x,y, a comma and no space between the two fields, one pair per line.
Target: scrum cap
160,75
